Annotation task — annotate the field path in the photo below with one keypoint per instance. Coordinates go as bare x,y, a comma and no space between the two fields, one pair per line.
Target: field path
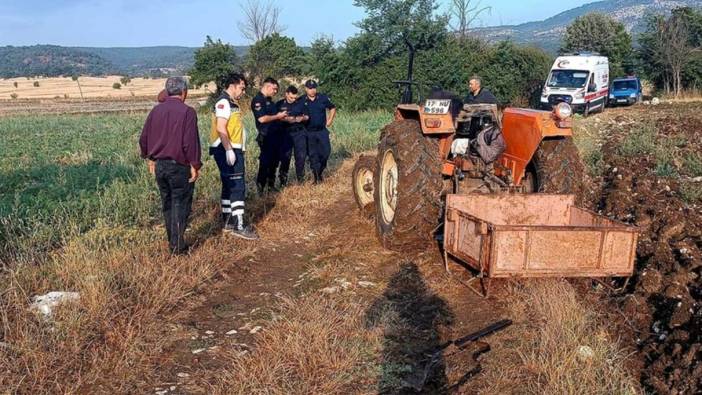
315,242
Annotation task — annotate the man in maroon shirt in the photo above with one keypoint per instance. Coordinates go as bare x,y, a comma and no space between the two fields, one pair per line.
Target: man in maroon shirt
170,142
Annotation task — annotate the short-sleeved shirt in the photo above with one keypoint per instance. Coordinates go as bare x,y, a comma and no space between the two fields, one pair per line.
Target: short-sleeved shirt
294,109
226,108
262,106
317,109
483,97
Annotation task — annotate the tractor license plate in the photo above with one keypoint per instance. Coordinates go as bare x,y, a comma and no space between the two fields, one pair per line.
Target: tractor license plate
434,106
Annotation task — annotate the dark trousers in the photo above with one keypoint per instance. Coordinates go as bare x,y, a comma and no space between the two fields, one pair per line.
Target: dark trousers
233,180
319,149
268,159
285,150
176,200
296,142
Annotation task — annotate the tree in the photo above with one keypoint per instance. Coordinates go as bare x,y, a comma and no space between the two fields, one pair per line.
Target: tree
463,13
400,23
277,56
212,62
125,80
670,49
599,33
75,78
260,20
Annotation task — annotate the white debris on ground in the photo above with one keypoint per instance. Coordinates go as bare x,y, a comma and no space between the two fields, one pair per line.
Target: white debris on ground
585,353
366,284
45,304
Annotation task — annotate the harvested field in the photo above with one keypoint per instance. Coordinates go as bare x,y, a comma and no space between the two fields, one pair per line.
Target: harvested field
84,88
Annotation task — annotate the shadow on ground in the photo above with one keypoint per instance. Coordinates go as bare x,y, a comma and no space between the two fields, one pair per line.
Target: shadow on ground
412,316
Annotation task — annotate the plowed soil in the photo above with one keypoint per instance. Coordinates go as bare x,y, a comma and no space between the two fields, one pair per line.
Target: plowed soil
650,167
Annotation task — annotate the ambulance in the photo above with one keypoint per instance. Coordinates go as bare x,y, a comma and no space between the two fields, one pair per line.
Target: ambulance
581,80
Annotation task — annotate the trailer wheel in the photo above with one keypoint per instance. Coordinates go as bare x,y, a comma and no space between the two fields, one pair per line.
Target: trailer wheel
362,184
408,186
558,167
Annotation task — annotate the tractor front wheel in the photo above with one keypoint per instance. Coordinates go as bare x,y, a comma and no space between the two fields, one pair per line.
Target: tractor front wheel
408,184
558,167
362,184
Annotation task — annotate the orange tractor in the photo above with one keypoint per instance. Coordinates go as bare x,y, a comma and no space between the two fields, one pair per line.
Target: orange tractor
497,190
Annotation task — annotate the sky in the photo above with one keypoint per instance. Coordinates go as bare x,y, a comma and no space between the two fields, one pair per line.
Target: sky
135,23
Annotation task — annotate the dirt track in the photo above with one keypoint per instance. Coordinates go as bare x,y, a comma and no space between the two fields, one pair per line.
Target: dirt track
316,243
332,253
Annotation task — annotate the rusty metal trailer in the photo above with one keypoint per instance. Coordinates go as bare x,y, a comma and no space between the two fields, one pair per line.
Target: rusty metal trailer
535,235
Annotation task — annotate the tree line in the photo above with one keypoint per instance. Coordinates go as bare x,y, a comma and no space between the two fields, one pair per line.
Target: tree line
360,72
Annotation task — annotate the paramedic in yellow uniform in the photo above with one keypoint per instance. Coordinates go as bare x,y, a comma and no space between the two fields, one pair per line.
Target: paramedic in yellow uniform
227,146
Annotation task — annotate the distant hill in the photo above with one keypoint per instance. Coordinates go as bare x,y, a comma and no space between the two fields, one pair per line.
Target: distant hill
50,60
548,33
53,60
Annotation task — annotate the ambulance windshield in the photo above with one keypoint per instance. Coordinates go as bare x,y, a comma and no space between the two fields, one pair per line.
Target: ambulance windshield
567,79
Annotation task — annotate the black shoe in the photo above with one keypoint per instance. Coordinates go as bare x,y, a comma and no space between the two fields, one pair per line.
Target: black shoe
235,226
230,225
283,182
245,233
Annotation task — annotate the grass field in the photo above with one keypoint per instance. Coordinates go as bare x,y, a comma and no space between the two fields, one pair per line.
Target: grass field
79,211
62,175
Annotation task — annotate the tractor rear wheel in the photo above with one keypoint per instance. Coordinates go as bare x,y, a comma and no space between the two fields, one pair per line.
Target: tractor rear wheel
558,167
408,186
362,184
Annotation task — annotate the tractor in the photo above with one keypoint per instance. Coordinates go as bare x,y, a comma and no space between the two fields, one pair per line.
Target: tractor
405,184
497,191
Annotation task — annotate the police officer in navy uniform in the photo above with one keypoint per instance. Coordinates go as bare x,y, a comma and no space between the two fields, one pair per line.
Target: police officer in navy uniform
293,136
318,145
266,116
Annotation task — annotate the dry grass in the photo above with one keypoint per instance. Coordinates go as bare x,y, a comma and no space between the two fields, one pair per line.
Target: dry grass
107,339
559,345
319,346
92,87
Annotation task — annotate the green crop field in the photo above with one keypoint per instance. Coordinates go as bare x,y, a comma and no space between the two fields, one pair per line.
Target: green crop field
62,175
80,212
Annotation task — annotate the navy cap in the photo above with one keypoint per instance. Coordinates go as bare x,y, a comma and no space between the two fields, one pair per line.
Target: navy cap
311,84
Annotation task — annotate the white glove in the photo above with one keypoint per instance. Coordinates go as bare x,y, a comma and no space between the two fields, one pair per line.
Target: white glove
460,146
231,157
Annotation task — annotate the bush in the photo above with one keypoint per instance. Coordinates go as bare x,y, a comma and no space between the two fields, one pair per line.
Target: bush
125,80
116,85
36,84
13,95
15,84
